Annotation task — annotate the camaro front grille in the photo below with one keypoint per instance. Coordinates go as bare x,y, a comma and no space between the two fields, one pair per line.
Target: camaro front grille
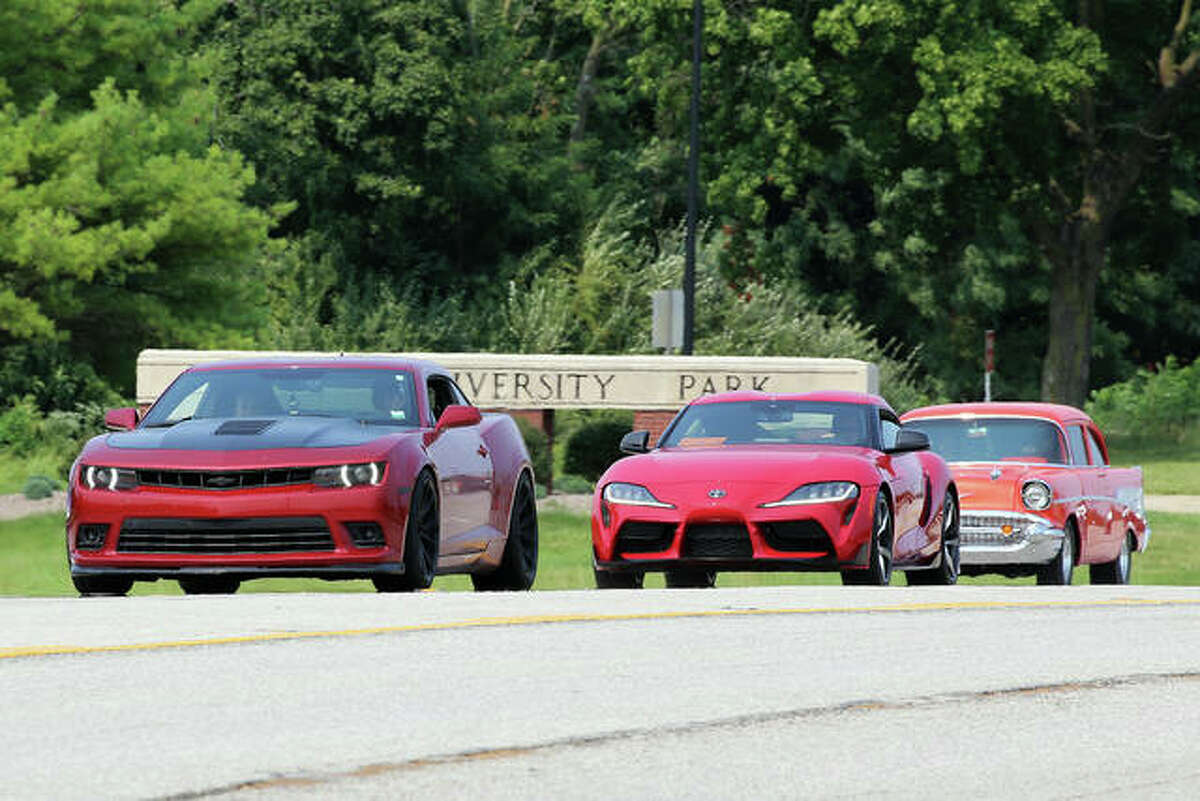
225,479
224,535
797,535
717,540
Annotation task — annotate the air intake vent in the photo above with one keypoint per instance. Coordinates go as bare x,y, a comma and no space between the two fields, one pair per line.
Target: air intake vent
224,535
717,540
244,427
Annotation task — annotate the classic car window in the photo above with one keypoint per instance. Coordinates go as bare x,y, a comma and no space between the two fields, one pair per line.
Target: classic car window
991,439
376,396
770,422
1097,453
1078,448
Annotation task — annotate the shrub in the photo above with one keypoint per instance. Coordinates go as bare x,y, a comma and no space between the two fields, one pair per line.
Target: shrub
1159,404
577,485
593,447
20,427
37,487
538,445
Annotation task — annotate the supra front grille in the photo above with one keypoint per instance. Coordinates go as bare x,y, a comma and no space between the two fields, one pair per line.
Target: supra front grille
244,427
225,479
224,535
717,539
640,537
797,535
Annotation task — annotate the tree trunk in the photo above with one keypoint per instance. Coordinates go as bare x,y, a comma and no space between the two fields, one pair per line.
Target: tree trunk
586,87
1075,274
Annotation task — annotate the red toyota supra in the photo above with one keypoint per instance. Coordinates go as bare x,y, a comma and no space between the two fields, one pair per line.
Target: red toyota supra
335,468
753,481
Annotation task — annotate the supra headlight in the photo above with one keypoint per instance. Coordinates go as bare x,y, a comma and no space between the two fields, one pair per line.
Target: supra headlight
349,475
817,492
108,478
1036,495
633,495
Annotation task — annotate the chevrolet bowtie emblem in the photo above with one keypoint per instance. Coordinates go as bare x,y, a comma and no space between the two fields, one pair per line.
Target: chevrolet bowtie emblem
995,473
716,493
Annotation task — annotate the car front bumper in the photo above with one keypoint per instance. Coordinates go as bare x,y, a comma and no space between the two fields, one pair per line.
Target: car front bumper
1007,538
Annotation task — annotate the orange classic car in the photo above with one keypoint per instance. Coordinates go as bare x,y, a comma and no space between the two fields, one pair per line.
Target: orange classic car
1037,493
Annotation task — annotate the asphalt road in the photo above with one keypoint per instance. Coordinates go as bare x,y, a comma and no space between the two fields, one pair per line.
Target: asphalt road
793,692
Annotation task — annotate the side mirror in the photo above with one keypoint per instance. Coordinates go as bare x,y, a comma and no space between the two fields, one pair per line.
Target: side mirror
636,442
456,416
125,419
910,440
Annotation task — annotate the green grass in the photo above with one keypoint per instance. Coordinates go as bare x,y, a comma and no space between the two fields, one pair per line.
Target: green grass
32,562
15,470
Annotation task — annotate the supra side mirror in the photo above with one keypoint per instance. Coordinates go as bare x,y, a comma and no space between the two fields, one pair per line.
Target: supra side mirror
636,442
124,419
910,440
456,416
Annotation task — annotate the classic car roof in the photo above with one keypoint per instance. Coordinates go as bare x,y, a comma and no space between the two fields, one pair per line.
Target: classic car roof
829,396
322,361
1050,411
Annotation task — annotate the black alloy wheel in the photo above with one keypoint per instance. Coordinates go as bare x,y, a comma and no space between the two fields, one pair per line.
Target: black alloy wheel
1059,570
518,566
209,585
1117,571
878,572
950,554
691,577
93,586
422,541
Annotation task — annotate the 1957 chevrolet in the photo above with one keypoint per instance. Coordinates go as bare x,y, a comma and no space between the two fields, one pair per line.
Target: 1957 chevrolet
1038,495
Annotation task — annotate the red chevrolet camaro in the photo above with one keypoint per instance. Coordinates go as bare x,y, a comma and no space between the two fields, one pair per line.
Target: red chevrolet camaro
752,481
335,468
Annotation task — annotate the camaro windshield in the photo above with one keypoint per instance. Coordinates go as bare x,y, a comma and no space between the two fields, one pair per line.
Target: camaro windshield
370,395
771,422
993,439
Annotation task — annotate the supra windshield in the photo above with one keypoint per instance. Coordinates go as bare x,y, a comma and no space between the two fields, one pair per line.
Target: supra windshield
371,395
992,439
771,422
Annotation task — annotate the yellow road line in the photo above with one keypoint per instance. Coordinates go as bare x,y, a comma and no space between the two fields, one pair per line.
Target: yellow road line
532,620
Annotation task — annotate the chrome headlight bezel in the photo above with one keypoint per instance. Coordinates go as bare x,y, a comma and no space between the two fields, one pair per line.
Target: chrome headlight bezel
626,494
352,474
817,492
1036,495
111,479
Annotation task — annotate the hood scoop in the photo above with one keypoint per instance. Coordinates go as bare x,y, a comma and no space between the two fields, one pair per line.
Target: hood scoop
244,427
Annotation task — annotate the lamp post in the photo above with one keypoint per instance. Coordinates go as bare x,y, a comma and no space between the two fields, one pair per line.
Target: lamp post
693,190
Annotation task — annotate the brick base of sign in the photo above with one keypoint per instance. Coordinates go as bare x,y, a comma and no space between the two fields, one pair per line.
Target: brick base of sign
654,422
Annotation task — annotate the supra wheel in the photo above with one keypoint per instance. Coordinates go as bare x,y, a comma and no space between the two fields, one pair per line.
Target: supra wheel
209,585
518,566
619,580
691,577
950,555
879,563
91,586
1058,571
1117,571
422,541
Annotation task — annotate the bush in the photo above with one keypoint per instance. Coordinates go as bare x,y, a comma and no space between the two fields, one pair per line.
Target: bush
593,447
1159,404
538,445
575,485
37,487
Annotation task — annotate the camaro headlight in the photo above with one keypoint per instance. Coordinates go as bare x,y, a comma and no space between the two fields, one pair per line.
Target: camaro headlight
817,492
349,475
633,495
108,478
1036,494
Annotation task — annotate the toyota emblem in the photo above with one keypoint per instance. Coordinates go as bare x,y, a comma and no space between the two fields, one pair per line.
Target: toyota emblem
716,493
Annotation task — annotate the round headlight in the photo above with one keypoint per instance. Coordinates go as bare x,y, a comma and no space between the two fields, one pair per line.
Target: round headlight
1036,495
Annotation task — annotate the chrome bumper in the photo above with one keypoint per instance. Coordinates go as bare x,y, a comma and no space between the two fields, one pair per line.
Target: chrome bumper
1007,538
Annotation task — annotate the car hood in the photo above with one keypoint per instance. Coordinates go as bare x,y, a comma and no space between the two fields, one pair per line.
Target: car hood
758,473
225,434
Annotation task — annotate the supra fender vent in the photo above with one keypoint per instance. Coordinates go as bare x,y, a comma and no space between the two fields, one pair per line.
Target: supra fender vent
244,427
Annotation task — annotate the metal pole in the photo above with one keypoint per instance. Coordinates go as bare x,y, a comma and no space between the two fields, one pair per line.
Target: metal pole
693,191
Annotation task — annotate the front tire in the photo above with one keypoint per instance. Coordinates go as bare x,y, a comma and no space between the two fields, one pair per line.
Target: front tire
696,578
619,580
1059,570
209,585
1117,571
92,586
879,562
518,566
422,541
946,573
